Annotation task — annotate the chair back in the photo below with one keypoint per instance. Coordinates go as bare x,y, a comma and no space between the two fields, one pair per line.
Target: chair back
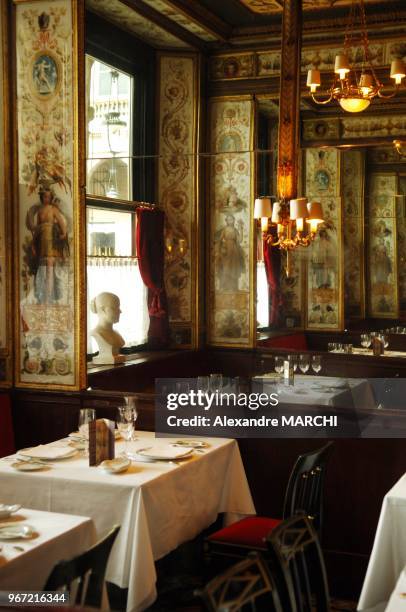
86,572
304,492
297,561
247,585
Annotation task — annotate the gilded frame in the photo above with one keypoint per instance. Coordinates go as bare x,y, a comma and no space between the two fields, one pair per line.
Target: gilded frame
6,354
78,228
195,221
251,340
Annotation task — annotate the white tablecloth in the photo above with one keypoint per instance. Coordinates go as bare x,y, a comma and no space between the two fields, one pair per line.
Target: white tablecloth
388,557
158,505
397,602
60,536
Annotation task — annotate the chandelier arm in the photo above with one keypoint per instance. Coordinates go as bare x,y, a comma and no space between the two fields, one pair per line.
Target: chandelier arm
322,101
388,96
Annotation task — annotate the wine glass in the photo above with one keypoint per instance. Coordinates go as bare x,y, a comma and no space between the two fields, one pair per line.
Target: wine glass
203,383
316,363
384,339
126,417
86,415
293,361
304,363
278,364
216,382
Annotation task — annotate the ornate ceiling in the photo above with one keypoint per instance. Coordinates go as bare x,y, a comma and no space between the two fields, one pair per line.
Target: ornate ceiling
268,7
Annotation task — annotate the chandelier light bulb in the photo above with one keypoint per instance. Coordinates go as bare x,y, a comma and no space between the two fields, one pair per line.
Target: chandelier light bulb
366,84
341,66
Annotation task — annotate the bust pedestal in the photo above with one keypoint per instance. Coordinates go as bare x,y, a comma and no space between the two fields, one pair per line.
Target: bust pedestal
108,354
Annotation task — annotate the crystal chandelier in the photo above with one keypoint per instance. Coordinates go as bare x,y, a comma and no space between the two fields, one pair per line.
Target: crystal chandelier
288,224
354,90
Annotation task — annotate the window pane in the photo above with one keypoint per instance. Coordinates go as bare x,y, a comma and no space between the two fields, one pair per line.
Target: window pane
109,129
109,233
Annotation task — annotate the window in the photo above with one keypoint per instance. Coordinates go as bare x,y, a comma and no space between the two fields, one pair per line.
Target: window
109,130
112,266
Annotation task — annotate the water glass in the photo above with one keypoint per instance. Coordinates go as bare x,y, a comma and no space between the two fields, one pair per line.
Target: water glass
304,363
316,363
216,382
384,340
126,417
279,364
331,346
86,415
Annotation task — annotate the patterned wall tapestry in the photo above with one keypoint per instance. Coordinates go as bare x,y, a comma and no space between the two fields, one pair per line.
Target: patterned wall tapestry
382,262
47,202
324,271
178,100
401,241
352,186
3,340
231,194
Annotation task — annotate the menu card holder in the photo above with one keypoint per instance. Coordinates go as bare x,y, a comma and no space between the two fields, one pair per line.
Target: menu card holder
377,346
101,441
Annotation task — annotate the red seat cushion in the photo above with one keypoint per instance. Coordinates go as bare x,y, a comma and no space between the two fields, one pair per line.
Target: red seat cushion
293,341
250,531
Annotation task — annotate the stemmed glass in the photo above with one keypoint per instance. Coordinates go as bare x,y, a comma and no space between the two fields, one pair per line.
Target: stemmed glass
278,364
216,382
304,363
203,384
86,415
126,417
293,361
316,363
366,340
384,339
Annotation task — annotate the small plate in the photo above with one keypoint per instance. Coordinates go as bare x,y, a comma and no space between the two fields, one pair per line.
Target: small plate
27,466
7,510
191,443
157,453
14,532
24,455
115,466
77,436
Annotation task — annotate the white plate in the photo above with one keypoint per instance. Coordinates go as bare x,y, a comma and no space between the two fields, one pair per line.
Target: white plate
192,443
13,531
164,453
8,509
77,436
115,466
27,466
46,454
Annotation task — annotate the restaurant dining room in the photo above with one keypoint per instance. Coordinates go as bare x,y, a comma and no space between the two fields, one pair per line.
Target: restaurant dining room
203,305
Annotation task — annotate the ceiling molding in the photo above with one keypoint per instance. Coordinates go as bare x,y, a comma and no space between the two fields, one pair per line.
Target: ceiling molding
164,22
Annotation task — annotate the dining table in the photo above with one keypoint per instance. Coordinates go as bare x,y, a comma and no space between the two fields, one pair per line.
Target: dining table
26,563
158,504
388,556
397,601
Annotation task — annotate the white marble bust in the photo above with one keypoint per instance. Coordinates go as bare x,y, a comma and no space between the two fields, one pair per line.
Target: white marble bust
107,307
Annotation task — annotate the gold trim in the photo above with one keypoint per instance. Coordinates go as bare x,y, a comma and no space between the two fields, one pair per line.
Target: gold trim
6,351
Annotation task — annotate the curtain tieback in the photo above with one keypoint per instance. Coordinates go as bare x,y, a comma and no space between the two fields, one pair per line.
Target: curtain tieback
155,307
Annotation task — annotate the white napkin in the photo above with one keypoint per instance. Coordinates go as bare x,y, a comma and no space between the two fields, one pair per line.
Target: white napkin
44,451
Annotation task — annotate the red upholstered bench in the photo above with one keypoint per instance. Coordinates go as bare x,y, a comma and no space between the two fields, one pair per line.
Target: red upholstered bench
296,342
6,426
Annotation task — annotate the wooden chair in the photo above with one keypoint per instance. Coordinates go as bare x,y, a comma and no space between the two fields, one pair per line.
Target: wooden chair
247,585
86,570
297,563
304,493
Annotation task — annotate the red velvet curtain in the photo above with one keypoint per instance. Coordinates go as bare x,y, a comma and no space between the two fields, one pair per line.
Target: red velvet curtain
272,259
150,251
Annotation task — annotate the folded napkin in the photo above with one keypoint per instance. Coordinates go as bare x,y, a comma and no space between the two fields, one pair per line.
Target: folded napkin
45,451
